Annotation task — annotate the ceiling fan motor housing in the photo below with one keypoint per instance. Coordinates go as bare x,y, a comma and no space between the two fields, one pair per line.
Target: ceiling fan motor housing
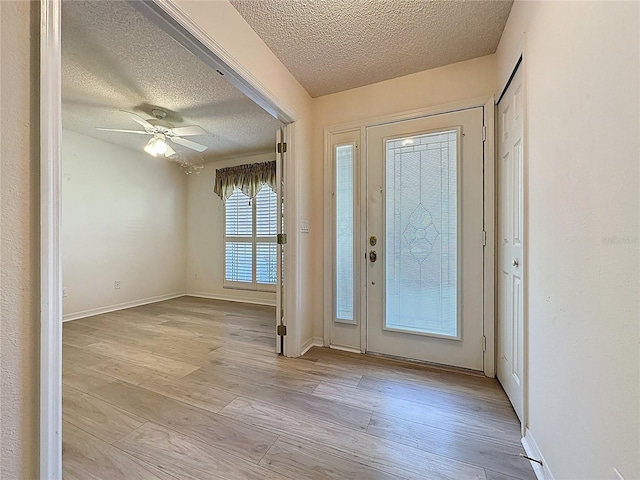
160,125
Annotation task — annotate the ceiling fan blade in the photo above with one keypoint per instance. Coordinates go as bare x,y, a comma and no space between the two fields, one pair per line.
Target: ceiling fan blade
139,132
189,144
137,118
189,131
170,152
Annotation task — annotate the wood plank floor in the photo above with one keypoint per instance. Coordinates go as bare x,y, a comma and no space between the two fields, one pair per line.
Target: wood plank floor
191,389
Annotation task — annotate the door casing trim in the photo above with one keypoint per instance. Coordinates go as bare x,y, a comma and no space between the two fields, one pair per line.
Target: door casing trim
489,257
50,460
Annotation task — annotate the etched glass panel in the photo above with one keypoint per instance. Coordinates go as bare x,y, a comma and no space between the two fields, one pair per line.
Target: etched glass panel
344,232
421,234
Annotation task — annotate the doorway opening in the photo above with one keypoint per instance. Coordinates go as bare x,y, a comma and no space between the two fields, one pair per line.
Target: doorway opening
176,166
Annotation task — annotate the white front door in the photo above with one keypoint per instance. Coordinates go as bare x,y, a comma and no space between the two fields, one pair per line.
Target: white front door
510,243
425,231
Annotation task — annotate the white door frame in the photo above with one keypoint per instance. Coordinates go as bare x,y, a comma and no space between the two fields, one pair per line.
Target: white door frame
489,316
174,21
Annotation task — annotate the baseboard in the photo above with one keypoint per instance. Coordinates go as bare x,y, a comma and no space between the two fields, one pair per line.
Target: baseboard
531,448
312,342
345,349
230,298
120,306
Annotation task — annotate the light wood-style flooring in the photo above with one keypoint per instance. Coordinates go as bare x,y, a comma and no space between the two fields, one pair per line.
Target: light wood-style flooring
191,389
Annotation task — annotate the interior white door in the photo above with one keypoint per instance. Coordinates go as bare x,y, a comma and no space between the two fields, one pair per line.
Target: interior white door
424,231
510,247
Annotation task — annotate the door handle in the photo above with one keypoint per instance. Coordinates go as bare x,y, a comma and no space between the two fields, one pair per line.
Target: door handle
373,256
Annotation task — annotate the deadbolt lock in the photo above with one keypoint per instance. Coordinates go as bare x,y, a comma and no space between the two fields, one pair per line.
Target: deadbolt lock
373,240
373,256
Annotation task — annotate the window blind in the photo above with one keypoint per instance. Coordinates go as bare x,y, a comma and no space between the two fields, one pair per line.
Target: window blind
238,215
266,212
250,238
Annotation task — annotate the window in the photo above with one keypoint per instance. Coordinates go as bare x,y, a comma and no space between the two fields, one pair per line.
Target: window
344,257
250,240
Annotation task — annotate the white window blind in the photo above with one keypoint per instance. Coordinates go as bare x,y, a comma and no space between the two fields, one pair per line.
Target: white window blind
250,240
238,215
266,212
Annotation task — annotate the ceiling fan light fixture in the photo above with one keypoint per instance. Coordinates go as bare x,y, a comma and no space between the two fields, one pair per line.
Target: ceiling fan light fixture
150,148
161,145
156,146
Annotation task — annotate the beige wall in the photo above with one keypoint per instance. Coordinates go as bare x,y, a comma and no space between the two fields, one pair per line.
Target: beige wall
205,236
582,68
440,86
19,233
123,219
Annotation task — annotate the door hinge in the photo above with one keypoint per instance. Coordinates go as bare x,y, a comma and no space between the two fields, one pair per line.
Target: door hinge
484,238
484,343
484,133
281,147
281,239
282,330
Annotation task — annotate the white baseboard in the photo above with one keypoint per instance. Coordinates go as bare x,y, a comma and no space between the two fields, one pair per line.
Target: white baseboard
312,342
230,298
120,306
345,349
531,448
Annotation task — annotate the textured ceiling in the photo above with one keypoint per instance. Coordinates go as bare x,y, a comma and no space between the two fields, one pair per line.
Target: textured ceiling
335,45
114,59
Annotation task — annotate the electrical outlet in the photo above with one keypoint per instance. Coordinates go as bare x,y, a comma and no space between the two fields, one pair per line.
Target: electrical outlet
304,226
64,292
116,285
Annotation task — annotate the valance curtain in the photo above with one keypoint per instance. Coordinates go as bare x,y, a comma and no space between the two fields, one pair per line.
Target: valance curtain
248,178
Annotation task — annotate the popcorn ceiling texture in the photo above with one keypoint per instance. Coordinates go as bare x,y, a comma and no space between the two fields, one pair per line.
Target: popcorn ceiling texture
336,45
113,58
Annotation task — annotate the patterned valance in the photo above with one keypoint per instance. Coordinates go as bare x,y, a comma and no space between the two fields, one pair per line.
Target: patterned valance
248,178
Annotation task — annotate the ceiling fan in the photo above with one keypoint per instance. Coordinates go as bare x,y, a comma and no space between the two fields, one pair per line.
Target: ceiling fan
161,131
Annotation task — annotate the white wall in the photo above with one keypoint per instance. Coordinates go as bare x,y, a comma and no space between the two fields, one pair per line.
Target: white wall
440,86
123,219
581,63
205,237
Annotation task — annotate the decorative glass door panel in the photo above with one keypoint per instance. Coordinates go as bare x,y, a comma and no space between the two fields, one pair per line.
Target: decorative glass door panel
421,234
424,280
344,155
